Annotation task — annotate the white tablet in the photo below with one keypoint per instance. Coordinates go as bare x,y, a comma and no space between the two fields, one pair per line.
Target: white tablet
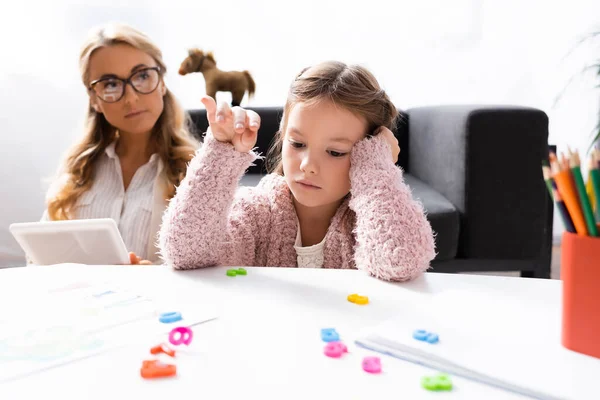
82,241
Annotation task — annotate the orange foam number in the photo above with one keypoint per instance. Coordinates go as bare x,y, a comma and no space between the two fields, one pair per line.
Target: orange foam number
156,369
161,348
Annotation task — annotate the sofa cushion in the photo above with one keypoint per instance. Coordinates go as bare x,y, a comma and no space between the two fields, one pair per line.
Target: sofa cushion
251,179
442,216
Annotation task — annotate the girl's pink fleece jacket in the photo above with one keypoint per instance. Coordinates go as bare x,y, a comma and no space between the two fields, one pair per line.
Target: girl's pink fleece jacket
379,227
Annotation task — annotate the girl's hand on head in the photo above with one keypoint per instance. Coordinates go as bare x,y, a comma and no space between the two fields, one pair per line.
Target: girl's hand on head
392,141
134,259
232,125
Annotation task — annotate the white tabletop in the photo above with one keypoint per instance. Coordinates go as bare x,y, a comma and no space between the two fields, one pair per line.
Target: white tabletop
266,341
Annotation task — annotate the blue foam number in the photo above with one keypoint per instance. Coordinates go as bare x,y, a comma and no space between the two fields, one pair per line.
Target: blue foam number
169,317
426,336
329,335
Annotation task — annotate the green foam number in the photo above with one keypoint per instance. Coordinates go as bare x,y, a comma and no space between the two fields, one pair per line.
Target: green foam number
437,382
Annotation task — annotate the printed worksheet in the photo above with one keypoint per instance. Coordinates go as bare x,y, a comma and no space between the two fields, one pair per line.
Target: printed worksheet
79,320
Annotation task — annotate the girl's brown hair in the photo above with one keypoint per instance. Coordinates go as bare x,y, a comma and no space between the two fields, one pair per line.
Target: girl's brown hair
351,87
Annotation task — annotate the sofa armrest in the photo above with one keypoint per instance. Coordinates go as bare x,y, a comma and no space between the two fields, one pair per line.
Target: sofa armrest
486,160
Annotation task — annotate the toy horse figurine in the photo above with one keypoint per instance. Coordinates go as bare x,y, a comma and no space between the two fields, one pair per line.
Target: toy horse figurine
236,82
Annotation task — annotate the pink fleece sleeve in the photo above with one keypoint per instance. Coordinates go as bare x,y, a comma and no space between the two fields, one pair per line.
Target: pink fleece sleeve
394,238
209,221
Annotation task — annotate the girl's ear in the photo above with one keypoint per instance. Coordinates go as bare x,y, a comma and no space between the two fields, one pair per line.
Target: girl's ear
373,131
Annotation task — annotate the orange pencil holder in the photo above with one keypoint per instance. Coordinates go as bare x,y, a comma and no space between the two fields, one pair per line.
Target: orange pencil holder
580,275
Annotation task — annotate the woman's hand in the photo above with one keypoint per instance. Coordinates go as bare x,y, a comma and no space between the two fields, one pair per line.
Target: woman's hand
135,260
232,125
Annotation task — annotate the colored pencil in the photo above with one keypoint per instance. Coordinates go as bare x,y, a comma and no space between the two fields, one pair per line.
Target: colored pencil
589,189
562,209
547,177
595,180
564,182
584,201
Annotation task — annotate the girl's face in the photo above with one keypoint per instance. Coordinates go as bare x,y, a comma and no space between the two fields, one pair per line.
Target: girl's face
136,112
316,150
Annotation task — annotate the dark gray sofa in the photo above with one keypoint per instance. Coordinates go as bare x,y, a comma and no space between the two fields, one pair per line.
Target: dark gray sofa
477,171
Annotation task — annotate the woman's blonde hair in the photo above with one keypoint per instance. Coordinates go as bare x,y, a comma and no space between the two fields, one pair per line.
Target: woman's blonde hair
171,133
351,87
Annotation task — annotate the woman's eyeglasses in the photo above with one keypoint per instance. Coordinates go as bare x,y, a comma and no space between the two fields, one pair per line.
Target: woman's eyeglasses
112,89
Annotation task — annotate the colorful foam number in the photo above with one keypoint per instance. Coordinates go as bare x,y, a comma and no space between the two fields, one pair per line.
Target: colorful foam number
152,369
236,272
335,349
371,365
358,299
169,317
329,335
181,335
425,336
437,383
162,348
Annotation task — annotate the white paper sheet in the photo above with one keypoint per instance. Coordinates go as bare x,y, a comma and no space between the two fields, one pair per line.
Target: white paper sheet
491,340
78,320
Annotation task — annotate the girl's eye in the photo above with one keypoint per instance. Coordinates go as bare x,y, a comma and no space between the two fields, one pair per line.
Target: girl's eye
296,145
336,153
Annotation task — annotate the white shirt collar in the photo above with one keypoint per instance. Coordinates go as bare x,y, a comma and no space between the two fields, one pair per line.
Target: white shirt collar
111,152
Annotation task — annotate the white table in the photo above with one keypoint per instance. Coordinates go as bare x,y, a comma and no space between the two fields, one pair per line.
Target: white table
266,341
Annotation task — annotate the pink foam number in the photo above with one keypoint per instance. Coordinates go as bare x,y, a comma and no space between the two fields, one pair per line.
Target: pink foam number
335,349
372,365
184,333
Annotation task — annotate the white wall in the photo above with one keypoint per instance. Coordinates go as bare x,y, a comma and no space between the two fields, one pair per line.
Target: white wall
424,52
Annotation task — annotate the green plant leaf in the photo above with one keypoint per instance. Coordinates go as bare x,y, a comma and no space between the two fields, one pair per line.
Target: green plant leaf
597,137
595,67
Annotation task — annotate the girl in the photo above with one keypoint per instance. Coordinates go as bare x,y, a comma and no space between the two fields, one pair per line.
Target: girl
334,199
135,146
